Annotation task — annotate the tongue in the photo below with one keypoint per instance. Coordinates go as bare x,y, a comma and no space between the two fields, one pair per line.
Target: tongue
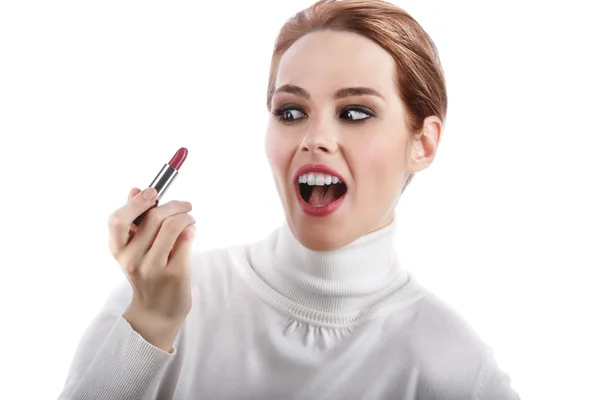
322,195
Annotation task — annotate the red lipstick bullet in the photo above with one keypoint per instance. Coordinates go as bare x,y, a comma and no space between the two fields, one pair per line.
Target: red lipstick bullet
178,159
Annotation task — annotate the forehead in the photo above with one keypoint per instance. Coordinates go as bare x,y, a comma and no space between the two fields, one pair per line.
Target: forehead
328,60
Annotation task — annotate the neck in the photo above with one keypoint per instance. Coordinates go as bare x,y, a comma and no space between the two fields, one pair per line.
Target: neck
337,281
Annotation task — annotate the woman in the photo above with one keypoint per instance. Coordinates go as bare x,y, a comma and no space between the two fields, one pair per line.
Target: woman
321,309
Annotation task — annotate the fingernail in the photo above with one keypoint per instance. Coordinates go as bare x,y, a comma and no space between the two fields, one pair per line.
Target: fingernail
192,217
149,193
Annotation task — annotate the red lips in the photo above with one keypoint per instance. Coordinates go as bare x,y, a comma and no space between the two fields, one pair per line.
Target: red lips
307,208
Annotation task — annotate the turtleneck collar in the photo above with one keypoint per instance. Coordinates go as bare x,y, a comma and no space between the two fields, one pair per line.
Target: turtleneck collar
347,280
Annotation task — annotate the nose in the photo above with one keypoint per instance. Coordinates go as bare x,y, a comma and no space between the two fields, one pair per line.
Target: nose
320,139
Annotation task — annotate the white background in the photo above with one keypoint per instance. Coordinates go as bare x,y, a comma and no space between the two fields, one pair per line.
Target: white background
96,96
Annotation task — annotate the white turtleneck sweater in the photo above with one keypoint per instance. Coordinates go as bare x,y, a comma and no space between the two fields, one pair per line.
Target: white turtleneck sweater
275,320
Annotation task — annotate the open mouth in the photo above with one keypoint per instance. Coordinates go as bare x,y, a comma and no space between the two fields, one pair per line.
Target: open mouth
322,195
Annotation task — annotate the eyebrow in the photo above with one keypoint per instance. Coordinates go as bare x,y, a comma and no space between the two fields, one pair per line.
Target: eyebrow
340,94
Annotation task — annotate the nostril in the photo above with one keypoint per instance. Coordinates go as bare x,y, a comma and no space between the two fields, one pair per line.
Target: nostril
318,147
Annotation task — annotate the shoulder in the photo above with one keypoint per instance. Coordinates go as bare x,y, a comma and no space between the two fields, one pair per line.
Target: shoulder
215,273
437,329
227,263
217,262
449,353
443,325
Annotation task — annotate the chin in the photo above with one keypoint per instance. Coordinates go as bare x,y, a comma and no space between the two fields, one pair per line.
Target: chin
320,234
320,243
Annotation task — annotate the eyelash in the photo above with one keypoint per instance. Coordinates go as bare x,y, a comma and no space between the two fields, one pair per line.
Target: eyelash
293,107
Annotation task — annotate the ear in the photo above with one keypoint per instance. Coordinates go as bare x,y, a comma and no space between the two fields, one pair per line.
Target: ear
424,147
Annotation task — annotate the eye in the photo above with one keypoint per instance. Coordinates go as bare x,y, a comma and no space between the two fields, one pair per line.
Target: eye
290,113
356,113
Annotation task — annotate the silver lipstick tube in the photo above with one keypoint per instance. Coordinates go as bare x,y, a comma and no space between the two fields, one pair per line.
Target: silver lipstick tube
161,183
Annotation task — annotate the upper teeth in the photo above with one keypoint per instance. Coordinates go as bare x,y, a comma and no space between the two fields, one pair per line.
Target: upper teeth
318,179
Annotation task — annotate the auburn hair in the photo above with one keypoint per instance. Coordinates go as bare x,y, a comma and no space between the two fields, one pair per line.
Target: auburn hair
419,75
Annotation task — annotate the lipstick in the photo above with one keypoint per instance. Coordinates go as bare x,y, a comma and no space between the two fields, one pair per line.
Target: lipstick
165,177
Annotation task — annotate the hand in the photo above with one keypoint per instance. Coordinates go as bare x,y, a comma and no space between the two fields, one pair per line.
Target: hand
155,257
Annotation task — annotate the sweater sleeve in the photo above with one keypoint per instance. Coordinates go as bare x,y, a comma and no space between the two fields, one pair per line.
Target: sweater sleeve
493,383
112,361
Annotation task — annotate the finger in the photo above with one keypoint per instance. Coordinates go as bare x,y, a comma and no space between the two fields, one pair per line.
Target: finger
132,193
152,223
120,221
165,240
181,249
132,227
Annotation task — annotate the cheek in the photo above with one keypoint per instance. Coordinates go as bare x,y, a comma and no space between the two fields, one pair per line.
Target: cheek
277,154
383,165
271,147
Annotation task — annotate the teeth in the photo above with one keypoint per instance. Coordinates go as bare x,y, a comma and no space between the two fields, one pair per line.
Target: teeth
318,179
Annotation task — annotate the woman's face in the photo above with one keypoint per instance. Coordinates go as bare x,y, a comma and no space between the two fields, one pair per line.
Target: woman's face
336,105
